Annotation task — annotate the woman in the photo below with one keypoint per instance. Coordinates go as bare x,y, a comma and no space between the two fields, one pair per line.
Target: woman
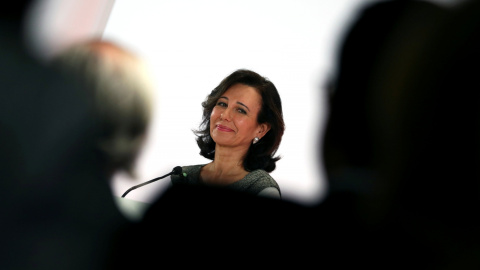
241,130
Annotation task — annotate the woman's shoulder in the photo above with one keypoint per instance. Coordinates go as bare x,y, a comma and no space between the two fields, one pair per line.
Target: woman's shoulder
192,168
260,174
269,187
256,181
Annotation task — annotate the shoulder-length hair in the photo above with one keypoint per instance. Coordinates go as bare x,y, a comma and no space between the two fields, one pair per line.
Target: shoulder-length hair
262,154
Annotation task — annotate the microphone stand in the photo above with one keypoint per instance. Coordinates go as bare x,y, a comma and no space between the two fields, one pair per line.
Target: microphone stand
177,171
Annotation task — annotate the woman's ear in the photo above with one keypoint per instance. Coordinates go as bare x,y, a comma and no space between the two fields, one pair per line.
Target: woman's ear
263,129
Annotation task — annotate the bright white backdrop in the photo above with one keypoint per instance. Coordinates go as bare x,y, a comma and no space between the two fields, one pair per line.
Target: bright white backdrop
191,46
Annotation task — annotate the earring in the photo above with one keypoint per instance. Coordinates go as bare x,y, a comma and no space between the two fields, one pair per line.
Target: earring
255,140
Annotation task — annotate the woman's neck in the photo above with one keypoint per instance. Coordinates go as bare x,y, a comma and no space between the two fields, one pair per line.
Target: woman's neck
226,168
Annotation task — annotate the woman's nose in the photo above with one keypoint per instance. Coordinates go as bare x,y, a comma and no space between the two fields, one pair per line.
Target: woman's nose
225,115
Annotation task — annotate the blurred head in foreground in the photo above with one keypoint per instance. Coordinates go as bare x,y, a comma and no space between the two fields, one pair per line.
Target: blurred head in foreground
379,64
121,89
403,131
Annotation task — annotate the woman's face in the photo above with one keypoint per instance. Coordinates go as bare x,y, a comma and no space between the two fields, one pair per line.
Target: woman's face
233,122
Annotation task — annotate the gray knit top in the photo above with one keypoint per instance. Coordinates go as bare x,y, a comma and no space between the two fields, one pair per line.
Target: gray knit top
254,182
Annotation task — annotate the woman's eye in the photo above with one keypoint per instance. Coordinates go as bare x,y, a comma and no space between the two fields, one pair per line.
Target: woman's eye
222,104
242,111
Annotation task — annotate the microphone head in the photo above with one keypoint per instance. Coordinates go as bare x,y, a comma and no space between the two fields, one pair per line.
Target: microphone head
177,170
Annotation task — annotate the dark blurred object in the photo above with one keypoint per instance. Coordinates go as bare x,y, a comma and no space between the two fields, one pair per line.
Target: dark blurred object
16,11
402,137
57,208
200,226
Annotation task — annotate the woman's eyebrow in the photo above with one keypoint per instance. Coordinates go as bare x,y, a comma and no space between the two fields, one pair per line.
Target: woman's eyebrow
238,102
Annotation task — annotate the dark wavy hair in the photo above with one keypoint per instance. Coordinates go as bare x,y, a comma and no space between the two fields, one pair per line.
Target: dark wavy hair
262,154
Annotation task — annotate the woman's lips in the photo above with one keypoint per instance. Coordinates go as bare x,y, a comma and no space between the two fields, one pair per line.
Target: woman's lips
224,128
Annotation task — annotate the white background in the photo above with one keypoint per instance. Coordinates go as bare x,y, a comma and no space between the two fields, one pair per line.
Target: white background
191,46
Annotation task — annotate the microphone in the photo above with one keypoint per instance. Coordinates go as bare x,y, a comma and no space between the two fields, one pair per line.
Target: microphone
176,171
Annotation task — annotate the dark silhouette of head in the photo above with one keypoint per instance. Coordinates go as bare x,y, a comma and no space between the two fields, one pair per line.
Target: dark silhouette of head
403,131
374,58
